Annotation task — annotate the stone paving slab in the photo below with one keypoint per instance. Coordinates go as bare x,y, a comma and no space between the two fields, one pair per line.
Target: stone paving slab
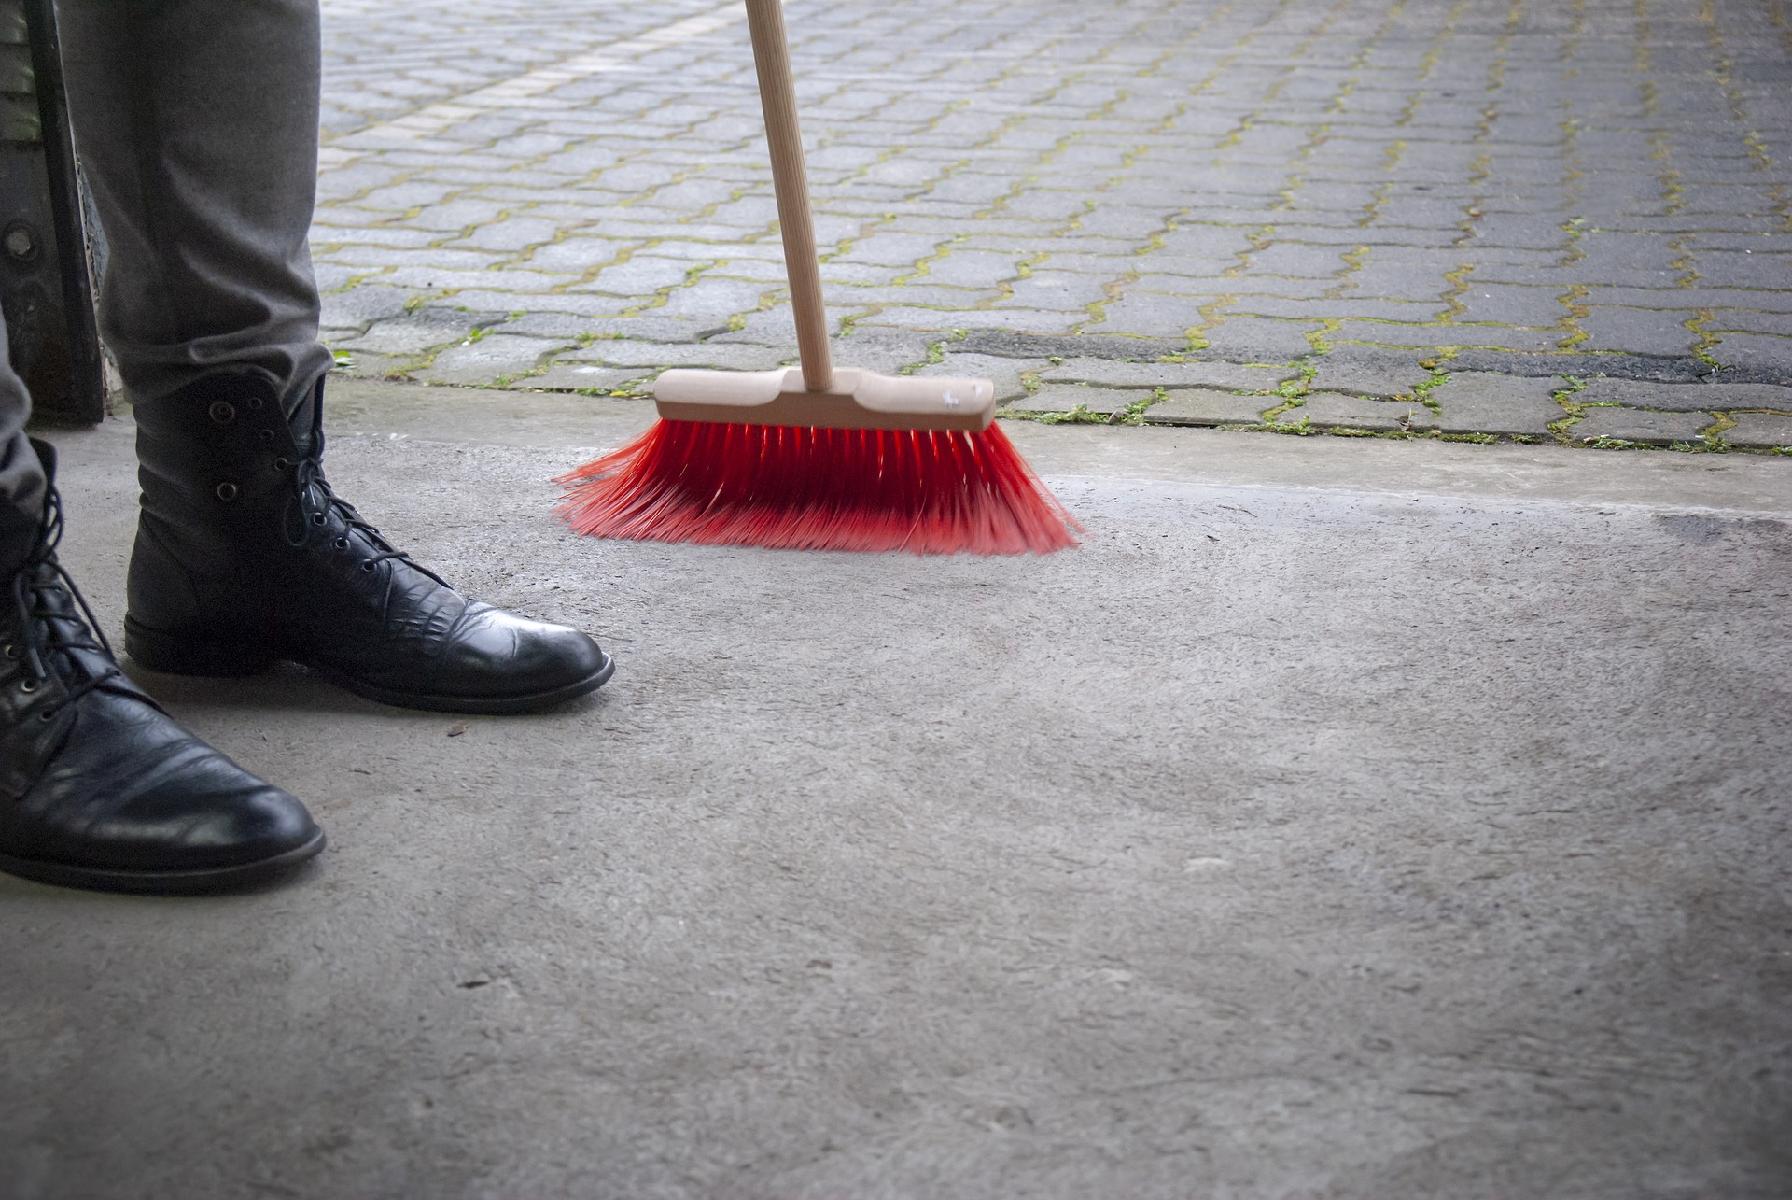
1632,425
1122,374
1334,410
1686,397
1761,429
1361,194
1068,399
1206,406
1377,380
1009,375
1480,402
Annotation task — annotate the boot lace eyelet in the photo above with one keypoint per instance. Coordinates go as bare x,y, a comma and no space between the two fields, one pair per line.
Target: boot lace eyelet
29,686
227,492
266,436
283,465
222,412
368,567
46,716
254,403
340,543
317,519
10,651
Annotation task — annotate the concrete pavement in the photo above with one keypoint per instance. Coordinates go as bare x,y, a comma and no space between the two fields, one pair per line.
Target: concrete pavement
1346,819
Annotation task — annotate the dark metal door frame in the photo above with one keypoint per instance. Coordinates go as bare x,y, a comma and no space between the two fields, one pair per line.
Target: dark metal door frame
45,280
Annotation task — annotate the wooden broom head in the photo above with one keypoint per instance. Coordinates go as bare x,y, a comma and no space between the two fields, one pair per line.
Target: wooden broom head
856,400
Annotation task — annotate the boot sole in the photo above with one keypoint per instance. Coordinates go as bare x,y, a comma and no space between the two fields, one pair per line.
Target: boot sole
472,705
163,883
230,660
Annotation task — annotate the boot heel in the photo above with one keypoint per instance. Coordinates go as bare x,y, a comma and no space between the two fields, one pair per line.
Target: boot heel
194,654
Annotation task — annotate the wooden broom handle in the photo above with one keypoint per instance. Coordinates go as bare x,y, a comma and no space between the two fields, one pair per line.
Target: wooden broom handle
802,262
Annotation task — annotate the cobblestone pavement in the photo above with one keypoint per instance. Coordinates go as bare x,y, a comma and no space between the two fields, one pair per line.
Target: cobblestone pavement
1533,220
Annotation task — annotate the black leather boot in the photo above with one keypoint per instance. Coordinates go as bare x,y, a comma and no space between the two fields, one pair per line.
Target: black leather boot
245,556
99,788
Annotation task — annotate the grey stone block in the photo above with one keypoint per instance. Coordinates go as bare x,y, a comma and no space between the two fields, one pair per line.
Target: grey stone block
1356,308
574,254
1511,304
1727,321
366,364
918,295
1480,402
1735,268
1114,373
1332,410
938,320
456,215
1005,373
578,377
712,300
1369,379
1686,397
1312,263
1207,406
870,348
1261,338
1063,398
1761,429
423,330
1057,291
427,257
587,304
327,239
332,278
892,249
437,279
639,276
1660,332
1759,351
367,302
516,233
1148,314
1637,425
724,356
488,359
974,268
1702,296
568,326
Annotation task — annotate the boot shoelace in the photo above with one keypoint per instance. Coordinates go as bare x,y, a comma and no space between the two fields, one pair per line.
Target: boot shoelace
44,630
314,499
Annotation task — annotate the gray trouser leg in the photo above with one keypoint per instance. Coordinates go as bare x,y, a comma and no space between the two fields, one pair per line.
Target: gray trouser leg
21,479
196,124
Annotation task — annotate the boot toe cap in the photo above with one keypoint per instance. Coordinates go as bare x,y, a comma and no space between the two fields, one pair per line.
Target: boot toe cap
210,814
253,824
500,655
129,799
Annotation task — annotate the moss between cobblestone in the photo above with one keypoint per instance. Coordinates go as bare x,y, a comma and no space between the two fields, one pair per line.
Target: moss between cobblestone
1134,413
1076,415
1711,437
1573,412
1422,392
1695,325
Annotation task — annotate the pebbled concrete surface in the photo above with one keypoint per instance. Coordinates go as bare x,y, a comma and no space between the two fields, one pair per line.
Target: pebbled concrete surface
1392,820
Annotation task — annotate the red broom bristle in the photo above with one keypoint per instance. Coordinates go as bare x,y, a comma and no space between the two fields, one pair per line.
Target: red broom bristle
818,489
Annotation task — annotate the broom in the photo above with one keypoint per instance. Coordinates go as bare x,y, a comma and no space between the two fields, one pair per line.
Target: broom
816,458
